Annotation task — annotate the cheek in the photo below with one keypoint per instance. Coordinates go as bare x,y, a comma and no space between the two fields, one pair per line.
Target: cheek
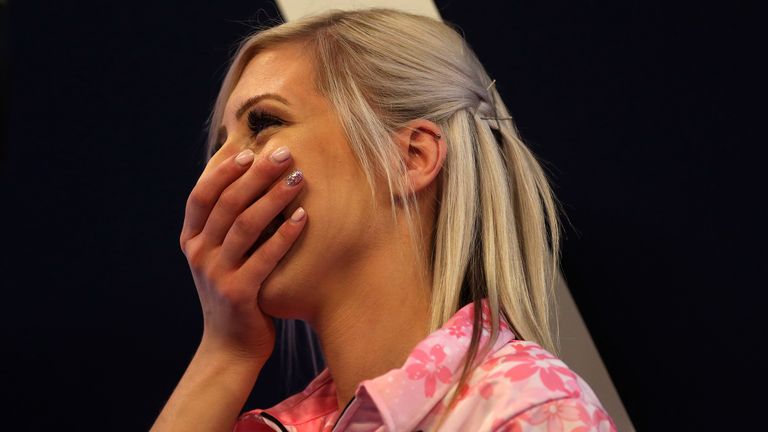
336,206
339,214
336,194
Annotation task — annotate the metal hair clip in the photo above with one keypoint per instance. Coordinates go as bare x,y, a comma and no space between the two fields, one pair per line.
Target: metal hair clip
493,99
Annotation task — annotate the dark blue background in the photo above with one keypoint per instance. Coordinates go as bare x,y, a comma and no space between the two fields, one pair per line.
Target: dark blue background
639,111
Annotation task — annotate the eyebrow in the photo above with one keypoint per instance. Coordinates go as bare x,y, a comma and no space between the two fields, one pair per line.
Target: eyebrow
255,99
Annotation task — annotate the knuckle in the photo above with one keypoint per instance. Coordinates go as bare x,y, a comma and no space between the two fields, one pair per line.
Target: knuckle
197,200
242,225
284,235
263,254
195,258
229,202
195,254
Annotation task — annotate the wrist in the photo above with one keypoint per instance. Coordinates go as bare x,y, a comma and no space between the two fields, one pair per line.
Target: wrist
230,355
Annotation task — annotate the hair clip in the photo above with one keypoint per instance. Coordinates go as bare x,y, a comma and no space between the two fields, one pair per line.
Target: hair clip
497,118
493,98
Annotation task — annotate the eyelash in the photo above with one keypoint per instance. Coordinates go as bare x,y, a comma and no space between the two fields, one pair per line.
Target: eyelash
258,121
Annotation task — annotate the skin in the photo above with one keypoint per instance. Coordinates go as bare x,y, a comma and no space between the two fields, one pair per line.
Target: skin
345,269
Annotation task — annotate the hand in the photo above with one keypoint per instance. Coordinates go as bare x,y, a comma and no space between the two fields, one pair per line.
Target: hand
227,240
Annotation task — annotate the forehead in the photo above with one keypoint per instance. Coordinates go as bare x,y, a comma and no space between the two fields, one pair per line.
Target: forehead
285,70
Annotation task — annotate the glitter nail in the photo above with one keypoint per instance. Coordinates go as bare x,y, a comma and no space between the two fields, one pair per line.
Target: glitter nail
294,178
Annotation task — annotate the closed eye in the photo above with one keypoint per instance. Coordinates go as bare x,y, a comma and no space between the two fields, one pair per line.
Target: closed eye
259,121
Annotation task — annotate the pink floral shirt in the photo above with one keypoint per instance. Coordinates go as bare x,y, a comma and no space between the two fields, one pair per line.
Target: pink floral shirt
518,386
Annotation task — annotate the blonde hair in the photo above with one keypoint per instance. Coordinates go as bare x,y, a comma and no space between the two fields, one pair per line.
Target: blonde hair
497,233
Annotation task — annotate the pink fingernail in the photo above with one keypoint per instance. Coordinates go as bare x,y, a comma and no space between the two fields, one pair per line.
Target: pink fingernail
298,215
244,158
280,155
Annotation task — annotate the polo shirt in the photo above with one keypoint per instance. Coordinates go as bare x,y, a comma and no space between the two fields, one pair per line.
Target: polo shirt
517,386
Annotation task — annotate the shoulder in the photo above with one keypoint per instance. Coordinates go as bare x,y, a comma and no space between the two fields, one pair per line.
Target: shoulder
525,368
522,386
566,415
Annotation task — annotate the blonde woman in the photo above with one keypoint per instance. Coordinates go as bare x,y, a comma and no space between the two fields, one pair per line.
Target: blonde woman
365,177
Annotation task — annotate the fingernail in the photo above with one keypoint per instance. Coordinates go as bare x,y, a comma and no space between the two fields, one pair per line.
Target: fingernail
244,158
280,155
294,178
298,214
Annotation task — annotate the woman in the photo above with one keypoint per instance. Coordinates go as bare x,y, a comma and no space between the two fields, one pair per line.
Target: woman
366,178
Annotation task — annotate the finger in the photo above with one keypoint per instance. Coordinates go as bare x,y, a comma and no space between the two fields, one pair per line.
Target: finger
206,192
265,259
242,193
249,225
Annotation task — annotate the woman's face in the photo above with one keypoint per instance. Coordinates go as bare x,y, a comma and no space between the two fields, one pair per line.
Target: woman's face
278,82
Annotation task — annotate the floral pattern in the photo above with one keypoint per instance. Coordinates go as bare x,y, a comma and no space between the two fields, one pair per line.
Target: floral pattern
557,416
429,368
550,374
518,386
556,413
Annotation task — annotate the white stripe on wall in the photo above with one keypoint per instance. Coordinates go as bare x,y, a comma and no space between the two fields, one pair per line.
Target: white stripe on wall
295,9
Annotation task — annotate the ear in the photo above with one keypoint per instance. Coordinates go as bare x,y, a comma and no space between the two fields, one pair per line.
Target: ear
423,150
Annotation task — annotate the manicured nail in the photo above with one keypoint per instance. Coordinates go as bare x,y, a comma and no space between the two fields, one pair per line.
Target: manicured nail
298,215
280,155
244,158
294,178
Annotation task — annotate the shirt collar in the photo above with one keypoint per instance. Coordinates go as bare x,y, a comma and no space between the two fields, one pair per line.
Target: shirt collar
432,368
429,372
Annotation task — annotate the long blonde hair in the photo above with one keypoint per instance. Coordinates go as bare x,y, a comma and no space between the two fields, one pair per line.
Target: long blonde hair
497,232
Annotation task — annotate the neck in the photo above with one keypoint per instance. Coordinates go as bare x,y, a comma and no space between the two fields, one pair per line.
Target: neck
382,312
